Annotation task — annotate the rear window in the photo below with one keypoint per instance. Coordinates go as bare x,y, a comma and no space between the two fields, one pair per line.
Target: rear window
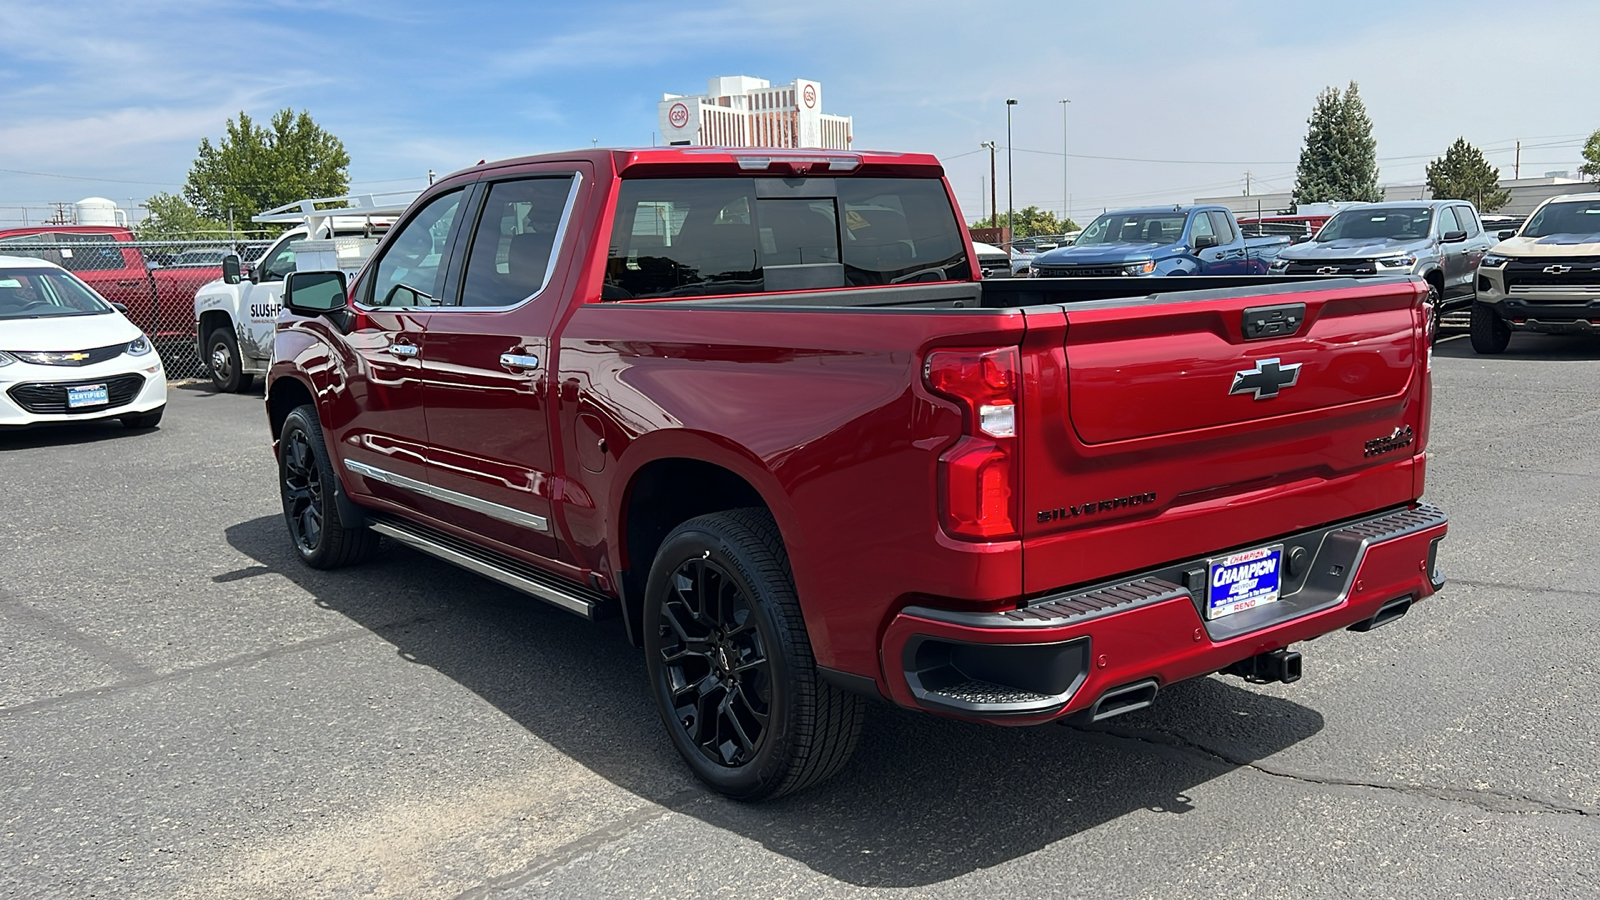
680,237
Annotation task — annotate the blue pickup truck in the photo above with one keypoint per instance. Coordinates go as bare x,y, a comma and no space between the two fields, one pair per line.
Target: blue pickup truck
1167,240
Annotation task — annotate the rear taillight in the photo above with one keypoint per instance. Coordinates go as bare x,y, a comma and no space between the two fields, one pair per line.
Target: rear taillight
978,476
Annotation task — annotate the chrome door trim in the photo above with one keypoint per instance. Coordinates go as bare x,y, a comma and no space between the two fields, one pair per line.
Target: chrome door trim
465,501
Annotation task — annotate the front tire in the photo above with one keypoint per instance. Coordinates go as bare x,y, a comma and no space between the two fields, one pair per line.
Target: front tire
308,484
731,666
225,363
1435,313
1490,333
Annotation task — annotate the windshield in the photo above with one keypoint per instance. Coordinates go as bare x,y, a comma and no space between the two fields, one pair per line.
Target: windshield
45,294
1388,223
1581,217
1133,228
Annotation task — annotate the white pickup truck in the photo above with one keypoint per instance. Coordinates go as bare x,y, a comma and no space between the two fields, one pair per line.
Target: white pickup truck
234,317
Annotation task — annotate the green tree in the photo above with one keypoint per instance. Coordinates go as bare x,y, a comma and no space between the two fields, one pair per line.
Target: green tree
1591,156
1463,174
253,168
1030,222
1340,159
172,218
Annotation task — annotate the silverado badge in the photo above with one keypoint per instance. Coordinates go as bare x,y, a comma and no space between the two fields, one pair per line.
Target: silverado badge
1265,381
1400,437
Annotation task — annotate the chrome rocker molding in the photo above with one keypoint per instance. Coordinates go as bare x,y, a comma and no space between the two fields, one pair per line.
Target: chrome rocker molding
573,604
465,501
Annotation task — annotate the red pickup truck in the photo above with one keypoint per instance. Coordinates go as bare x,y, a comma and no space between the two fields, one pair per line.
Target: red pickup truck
760,406
160,301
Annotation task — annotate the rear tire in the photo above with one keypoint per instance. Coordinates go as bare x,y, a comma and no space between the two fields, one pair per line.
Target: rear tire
308,485
225,363
1490,333
145,419
731,667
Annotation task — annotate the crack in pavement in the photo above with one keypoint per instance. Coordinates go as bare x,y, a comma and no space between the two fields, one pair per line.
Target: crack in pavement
118,660
653,811
128,684
1529,589
1486,799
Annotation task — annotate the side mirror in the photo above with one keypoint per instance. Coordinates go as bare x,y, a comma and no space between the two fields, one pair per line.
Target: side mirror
119,307
1454,237
230,269
1507,235
314,293
1205,241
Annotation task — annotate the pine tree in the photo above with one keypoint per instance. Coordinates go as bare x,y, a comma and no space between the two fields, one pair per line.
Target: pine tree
1340,157
1463,174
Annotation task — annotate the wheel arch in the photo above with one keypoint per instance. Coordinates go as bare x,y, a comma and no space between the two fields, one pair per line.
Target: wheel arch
210,320
671,481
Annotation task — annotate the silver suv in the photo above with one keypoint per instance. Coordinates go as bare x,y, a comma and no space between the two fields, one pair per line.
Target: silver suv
1439,241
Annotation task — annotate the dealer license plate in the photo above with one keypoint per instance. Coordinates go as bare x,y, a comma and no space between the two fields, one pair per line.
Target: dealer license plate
1244,581
88,395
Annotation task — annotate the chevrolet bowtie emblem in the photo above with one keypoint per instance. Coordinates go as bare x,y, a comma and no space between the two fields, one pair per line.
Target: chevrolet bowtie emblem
1557,270
1265,381
74,357
1328,270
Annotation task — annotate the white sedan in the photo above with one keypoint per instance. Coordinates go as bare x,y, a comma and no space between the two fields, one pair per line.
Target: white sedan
66,355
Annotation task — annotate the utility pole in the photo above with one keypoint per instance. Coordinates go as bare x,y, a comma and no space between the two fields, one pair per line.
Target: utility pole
1064,196
1516,169
1247,183
1011,201
994,217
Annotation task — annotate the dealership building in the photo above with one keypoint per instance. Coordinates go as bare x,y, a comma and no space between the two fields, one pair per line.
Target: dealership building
740,111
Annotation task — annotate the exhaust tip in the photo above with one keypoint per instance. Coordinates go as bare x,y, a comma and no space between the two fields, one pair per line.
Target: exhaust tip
1124,699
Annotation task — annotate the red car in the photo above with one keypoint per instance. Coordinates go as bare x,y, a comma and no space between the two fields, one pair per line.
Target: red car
107,258
760,406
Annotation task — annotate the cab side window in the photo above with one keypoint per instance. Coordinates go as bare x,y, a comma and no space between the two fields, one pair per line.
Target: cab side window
279,263
1201,227
1223,226
1468,220
514,246
1447,220
412,267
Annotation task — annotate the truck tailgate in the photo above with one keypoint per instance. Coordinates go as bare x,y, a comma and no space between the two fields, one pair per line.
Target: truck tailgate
1145,418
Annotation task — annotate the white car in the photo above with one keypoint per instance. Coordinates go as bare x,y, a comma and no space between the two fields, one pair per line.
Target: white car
66,355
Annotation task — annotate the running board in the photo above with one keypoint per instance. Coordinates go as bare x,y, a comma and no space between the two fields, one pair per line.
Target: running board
491,565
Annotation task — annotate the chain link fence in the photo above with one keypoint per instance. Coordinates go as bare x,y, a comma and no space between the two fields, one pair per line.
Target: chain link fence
155,280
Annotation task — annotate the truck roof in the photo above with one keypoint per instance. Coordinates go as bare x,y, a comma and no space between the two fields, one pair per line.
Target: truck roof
1168,208
722,160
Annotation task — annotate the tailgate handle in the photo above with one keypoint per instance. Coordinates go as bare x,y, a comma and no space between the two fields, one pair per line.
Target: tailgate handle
1262,322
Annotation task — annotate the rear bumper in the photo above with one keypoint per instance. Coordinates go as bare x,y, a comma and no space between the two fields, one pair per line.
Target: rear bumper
1060,654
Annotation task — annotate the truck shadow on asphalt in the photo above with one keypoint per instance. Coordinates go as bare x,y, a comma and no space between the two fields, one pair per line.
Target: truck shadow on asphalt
922,801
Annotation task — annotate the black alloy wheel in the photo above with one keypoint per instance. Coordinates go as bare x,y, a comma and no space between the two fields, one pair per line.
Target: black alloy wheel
310,507
731,666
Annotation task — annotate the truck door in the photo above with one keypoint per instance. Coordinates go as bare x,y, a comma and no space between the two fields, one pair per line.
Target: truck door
1217,259
487,369
261,298
383,442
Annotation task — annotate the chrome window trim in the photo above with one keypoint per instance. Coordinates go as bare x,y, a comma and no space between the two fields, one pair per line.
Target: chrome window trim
465,501
550,266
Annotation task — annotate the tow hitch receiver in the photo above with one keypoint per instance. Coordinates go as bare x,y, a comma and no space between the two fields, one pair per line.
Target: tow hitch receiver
1277,666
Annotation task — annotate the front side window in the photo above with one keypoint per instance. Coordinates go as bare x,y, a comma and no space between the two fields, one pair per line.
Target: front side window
279,262
29,245
514,246
1201,226
411,270
1447,221
27,293
1224,228
1469,220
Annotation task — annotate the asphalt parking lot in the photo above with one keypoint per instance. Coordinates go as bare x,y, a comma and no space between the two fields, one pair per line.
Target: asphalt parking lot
186,711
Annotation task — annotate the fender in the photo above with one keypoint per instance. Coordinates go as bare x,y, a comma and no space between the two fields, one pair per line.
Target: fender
323,397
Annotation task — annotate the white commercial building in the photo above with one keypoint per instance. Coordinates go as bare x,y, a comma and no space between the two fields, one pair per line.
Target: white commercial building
740,111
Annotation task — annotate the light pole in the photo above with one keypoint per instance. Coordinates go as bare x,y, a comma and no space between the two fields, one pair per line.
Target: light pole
994,217
1064,195
1011,202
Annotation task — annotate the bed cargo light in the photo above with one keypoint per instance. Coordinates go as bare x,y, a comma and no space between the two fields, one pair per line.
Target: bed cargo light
978,476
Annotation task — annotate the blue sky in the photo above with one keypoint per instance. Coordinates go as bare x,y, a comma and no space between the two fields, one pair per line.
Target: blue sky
1170,100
